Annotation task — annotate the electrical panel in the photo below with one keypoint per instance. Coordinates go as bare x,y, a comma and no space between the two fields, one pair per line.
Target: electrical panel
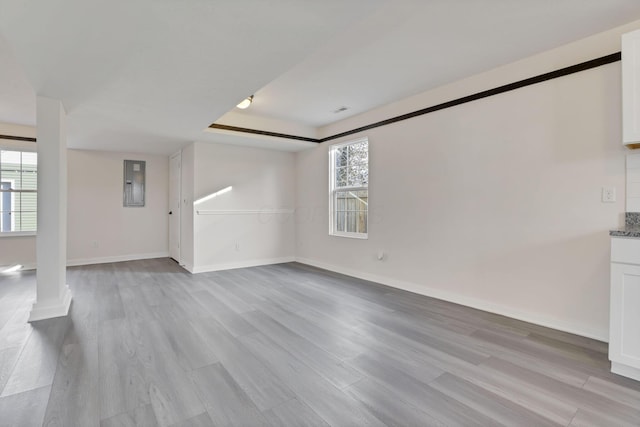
134,183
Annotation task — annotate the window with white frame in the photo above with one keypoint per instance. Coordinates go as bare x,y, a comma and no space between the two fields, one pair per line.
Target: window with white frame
18,191
349,189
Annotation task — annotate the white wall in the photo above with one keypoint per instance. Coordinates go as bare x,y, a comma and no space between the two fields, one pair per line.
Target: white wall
253,223
100,228
493,204
18,250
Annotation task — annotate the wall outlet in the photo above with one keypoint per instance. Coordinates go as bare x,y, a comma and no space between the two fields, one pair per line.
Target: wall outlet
237,246
608,194
94,244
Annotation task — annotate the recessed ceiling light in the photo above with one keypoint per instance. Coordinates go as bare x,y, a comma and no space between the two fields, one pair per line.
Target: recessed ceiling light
245,103
341,109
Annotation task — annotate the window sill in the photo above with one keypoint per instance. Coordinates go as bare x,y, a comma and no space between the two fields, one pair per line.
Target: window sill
360,236
18,234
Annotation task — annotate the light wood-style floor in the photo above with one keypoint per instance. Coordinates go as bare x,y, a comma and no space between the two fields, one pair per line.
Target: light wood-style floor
288,345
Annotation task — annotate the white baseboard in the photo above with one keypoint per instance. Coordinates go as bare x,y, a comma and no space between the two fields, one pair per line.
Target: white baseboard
240,264
103,260
484,305
50,309
118,258
28,267
625,370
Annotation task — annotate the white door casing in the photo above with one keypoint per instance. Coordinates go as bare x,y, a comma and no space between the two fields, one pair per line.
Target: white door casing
175,164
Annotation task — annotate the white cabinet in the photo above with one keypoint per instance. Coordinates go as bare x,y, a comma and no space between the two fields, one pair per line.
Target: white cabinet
631,88
624,323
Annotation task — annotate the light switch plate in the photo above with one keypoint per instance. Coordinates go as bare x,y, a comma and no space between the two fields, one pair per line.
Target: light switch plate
608,194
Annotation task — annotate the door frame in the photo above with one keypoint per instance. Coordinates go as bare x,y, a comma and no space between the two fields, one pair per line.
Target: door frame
178,213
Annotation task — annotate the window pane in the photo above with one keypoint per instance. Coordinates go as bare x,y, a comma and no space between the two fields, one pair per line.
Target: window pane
5,207
29,171
29,161
351,211
340,223
28,221
358,152
10,168
29,202
362,222
362,204
18,172
352,174
29,180
341,177
8,157
350,223
358,165
341,157
360,200
363,176
16,213
351,203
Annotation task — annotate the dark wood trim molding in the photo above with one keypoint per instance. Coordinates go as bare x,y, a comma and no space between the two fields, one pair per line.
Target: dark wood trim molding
583,66
18,138
491,92
262,132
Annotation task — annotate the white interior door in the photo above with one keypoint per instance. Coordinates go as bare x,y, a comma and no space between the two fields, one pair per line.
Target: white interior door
175,163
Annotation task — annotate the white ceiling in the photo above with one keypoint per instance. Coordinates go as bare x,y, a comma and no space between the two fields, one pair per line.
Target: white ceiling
150,75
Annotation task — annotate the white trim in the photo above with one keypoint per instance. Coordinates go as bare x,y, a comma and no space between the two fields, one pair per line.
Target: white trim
118,258
245,212
240,264
178,213
50,309
352,189
14,145
103,260
350,142
18,234
363,236
625,370
28,266
480,304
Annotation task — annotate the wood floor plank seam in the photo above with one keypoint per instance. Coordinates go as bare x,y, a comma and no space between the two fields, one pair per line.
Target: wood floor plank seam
573,418
399,400
13,366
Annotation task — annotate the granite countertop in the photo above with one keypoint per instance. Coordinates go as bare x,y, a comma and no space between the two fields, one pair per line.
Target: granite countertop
631,228
626,231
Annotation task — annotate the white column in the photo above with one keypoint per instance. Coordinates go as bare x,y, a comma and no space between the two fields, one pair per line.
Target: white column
53,294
